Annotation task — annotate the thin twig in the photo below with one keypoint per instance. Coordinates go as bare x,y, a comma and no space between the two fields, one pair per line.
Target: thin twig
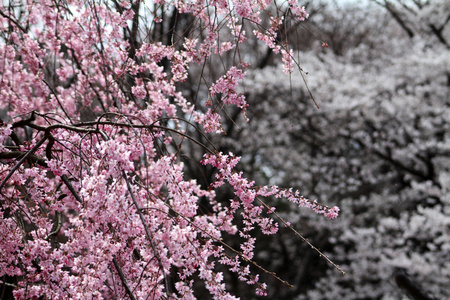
147,231
57,99
302,237
239,253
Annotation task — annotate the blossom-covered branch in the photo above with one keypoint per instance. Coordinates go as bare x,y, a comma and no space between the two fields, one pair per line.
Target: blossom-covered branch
99,100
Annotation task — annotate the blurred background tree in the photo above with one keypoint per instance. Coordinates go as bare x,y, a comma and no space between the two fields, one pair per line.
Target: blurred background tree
379,147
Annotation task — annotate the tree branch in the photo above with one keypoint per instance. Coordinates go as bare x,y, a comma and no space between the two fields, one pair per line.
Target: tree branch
123,279
147,231
21,161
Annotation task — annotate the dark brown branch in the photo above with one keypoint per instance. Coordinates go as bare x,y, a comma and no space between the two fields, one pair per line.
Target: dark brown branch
152,126
66,181
21,161
123,279
57,225
409,287
397,18
15,138
48,149
25,122
133,39
14,21
20,154
438,33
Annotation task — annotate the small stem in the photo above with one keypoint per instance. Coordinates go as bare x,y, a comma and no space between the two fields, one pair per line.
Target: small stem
303,238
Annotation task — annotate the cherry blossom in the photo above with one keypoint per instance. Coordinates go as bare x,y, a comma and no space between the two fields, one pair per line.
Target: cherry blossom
96,198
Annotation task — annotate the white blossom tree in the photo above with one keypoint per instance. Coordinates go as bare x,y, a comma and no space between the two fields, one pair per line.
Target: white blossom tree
379,147
99,100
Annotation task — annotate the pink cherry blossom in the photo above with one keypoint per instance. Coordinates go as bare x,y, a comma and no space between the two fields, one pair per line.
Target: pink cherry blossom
101,103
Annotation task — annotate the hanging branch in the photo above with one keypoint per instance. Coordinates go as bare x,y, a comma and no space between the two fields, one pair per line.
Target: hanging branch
147,231
123,279
22,160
